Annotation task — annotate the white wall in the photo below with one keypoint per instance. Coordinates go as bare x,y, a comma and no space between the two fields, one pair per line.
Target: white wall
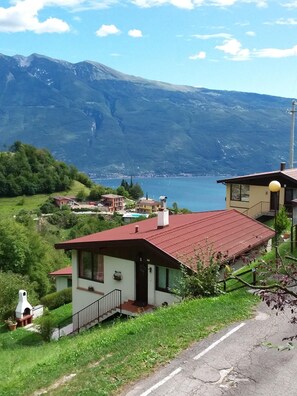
163,297
82,297
61,282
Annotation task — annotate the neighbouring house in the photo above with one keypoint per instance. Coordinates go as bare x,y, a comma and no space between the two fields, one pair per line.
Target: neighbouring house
142,260
115,203
61,201
147,205
250,194
63,278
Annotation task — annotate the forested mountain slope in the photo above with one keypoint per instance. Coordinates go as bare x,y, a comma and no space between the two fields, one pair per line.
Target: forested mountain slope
104,122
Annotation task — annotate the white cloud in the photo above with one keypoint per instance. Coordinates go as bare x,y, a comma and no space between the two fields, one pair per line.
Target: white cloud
200,55
234,51
191,4
283,21
135,33
250,33
186,4
212,36
107,30
223,3
234,48
23,16
290,4
276,52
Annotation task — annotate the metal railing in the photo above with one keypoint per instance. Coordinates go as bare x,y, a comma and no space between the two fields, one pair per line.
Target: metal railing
94,312
258,209
236,284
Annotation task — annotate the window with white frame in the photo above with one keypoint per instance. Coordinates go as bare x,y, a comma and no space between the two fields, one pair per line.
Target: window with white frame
91,266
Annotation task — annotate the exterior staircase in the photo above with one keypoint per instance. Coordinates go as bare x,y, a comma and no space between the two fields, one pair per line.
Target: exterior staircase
93,314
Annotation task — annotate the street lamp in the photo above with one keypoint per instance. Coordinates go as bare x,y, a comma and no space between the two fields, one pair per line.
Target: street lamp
274,187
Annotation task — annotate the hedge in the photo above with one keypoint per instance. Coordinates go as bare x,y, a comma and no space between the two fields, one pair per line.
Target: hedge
57,299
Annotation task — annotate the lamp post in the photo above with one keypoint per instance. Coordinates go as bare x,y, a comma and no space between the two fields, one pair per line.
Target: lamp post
274,188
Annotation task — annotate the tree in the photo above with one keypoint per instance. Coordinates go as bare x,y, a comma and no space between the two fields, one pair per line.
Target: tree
121,191
277,284
203,280
282,222
82,195
96,192
23,251
10,284
135,191
14,247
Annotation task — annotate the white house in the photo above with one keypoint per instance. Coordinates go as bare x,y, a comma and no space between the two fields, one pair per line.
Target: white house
63,278
142,260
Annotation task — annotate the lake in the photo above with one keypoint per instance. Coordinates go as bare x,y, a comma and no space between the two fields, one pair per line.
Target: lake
197,194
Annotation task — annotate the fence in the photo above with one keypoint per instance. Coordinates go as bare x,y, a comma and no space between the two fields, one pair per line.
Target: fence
237,283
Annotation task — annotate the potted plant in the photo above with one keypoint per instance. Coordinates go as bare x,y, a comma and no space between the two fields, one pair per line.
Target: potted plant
11,324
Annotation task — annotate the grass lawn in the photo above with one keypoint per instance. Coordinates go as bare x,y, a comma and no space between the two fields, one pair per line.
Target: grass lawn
11,206
105,359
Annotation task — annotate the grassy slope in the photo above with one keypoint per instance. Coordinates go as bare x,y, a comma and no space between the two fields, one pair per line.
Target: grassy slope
106,359
11,206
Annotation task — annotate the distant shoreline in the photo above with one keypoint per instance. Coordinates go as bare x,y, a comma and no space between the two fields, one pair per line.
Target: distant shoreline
106,177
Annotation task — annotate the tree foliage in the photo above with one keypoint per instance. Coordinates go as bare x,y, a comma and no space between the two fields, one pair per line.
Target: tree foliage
10,284
134,190
282,222
203,281
277,285
26,170
25,252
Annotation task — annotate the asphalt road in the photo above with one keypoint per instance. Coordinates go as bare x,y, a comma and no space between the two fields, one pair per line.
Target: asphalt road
235,361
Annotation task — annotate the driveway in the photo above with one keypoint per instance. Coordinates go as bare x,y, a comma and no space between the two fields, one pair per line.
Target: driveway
236,361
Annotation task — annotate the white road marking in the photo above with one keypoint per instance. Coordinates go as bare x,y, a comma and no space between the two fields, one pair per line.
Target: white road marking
156,386
179,369
218,341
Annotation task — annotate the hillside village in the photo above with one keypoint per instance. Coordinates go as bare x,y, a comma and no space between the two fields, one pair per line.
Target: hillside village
148,198
106,255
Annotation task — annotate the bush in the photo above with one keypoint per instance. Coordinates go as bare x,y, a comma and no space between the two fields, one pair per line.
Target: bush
57,299
203,281
46,326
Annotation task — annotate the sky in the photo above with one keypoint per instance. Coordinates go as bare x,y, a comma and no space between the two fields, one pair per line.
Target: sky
238,45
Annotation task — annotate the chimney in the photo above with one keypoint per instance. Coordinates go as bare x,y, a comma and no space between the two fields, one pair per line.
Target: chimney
163,213
282,166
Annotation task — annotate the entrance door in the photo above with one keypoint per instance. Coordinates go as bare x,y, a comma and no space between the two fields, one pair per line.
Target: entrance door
274,201
141,282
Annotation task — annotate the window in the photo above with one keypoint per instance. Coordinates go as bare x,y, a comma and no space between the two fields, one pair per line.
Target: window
167,279
91,266
240,192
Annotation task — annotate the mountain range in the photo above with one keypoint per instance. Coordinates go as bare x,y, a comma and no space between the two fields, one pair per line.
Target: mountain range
109,123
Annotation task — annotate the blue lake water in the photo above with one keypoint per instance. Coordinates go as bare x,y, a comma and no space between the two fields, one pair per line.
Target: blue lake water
197,194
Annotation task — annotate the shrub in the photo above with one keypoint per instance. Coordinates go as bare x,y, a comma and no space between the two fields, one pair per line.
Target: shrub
204,281
46,326
57,299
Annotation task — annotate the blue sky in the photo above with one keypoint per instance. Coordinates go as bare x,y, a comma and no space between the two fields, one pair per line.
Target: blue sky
242,45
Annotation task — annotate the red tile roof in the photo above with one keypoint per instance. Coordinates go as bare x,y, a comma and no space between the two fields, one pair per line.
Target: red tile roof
227,231
62,271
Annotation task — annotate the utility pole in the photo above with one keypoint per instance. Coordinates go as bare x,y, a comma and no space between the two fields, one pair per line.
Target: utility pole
292,111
